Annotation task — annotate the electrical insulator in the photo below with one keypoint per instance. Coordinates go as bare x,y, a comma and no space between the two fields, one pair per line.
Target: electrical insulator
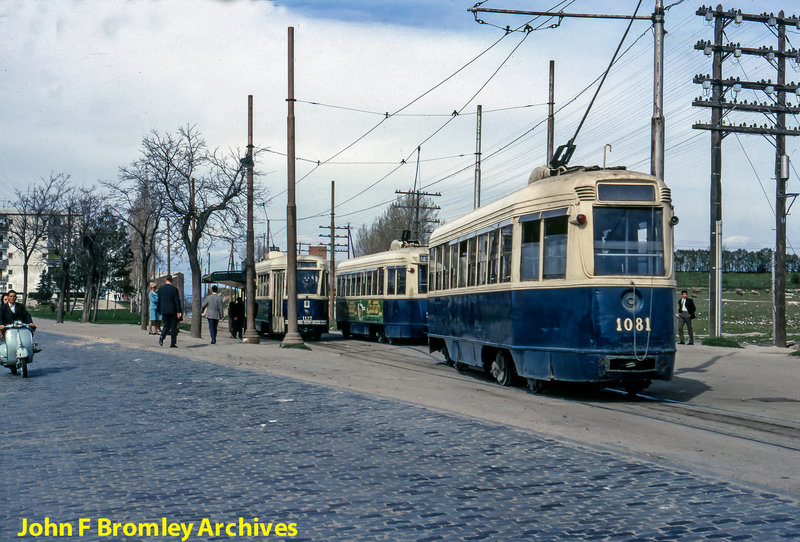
707,50
769,90
709,15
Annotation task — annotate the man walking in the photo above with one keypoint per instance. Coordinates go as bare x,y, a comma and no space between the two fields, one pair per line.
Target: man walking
169,306
686,312
213,305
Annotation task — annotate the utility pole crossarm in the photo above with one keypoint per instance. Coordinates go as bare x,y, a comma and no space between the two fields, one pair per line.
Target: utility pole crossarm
744,129
560,14
737,16
753,107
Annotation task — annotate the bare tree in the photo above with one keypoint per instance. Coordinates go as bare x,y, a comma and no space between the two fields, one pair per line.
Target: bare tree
200,190
136,200
65,242
27,227
389,225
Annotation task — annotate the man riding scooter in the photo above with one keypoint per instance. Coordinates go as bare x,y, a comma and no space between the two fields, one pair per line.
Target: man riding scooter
16,312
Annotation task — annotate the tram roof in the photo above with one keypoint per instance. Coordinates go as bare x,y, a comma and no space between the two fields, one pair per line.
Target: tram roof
277,259
402,255
234,279
539,195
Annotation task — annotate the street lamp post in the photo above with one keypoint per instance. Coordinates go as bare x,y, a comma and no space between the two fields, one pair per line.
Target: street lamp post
250,334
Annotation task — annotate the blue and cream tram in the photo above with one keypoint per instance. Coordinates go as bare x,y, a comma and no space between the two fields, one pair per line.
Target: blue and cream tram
569,278
312,294
383,295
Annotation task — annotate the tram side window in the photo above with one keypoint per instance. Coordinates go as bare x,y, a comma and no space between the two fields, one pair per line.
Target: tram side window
483,257
380,281
454,265
493,257
422,280
369,283
462,264
506,236
324,284
391,274
529,261
472,264
401,281
440,268
555,247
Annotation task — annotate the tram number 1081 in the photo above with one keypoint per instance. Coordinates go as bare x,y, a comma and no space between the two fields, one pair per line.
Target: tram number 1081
629,324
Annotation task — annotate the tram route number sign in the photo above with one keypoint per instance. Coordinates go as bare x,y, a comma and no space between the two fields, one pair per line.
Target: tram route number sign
365,310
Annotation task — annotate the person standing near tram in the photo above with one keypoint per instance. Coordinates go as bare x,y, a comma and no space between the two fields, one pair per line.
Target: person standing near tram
686,313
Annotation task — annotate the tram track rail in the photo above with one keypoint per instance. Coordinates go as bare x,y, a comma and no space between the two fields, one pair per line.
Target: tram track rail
772,431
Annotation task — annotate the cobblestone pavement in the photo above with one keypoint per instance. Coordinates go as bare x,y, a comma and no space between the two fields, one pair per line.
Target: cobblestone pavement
101,431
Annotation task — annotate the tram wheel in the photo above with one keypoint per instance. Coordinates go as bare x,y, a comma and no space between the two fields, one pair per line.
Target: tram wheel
382,338
447,357
535,385
501,369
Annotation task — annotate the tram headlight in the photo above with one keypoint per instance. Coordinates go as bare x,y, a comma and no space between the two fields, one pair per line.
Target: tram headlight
674,221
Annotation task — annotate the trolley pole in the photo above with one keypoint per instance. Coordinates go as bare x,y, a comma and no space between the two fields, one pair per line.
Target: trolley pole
292,337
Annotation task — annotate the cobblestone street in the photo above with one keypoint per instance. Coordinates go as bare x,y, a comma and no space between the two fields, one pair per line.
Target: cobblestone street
102,431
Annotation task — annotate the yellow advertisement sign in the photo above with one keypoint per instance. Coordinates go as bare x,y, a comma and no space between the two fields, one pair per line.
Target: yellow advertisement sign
365,310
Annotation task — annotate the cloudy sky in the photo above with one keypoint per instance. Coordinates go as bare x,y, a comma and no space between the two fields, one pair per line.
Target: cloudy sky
83,81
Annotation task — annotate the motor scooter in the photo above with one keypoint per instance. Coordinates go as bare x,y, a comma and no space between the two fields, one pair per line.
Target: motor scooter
17,350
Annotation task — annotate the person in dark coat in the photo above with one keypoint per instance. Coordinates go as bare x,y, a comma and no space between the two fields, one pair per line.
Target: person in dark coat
11,312
686,313
171,310
236,318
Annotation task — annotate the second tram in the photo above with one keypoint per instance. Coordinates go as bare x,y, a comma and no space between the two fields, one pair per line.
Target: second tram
569,278
383,295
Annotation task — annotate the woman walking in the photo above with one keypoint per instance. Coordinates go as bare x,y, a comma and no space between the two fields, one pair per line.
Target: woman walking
155,318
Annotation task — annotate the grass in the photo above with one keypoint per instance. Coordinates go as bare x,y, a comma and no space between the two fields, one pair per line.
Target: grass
721,341
746,305
120,316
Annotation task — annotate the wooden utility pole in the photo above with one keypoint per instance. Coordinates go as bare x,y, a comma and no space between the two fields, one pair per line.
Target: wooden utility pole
720,106
292,337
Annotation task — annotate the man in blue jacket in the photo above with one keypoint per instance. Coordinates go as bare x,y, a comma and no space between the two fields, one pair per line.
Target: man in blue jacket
170,308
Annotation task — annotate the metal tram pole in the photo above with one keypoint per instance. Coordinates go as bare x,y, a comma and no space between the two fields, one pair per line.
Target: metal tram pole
250,334
477,196
292,337
657,123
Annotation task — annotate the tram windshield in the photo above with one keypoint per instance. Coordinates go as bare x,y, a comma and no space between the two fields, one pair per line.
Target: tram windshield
628,241
307,280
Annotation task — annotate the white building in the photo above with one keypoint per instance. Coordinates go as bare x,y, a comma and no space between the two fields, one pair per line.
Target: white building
12,258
